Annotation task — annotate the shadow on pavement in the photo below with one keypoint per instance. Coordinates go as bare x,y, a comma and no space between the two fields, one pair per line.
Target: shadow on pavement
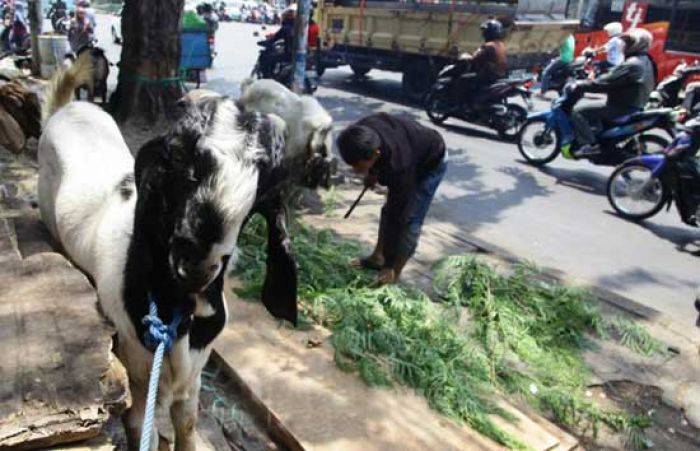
469,206
386,90
685,238
348,109
580,179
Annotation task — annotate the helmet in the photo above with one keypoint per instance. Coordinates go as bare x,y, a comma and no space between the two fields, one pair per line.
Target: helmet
613,29
638,40
492,29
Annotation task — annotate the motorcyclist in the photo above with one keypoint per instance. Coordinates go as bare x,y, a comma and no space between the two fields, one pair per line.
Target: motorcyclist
270,58
627,85
80,33
19,32
566,57
615,47
59,8
89,13
488,64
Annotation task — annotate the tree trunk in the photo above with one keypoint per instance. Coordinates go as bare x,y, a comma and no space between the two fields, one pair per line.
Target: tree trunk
148,71
35,21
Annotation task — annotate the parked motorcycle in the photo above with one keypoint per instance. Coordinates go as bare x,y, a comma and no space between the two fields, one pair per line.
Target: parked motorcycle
548,133
668,92
282,70
492,108
642,186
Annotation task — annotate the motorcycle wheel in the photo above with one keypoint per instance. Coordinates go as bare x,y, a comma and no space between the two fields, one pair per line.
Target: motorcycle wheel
538,143
635,193
514,119
436,114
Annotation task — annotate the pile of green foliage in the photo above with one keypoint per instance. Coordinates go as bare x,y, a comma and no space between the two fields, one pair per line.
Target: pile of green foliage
492,335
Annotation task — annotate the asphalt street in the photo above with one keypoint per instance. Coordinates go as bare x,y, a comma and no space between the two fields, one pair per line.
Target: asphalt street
557,216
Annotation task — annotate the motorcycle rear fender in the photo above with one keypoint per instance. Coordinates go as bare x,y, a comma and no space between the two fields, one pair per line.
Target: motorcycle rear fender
656,162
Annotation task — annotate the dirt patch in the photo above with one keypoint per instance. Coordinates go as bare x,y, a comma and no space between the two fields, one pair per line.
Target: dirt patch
669,429
18,176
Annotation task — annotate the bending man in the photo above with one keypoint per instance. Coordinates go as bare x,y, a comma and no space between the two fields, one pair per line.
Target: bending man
410,160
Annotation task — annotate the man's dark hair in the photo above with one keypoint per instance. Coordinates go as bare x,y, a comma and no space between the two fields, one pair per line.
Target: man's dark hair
358,143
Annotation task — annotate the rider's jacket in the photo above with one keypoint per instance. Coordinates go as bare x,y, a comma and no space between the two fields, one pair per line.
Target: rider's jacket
627,85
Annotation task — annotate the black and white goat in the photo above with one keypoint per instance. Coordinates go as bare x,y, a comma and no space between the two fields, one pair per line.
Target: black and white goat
307,161
163,225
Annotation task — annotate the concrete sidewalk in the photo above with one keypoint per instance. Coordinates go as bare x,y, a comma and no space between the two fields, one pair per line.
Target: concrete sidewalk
678,374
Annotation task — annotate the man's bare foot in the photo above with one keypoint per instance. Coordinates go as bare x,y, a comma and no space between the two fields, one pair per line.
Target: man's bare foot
371,262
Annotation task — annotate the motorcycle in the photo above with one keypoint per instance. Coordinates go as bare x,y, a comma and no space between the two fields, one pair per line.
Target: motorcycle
493,109
548,133
557,74
282,70
59,20
668,92
642,186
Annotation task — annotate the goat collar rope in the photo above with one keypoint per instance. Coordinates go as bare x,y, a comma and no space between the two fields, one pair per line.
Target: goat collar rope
159,338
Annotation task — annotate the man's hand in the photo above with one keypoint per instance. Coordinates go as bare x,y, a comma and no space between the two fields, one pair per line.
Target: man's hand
385,277
371,180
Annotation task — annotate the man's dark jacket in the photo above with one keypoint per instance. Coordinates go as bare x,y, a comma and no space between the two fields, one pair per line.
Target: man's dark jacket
409,151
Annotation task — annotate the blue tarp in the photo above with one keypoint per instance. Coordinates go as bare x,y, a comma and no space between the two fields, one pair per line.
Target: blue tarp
195,51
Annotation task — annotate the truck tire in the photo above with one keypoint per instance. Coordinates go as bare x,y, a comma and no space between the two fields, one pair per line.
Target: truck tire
416,82
360,70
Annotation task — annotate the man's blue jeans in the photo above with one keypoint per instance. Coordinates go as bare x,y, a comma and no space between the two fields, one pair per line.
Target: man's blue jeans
425,191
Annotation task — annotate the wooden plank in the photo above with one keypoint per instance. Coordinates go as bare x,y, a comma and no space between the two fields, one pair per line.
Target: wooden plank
58,379
319,407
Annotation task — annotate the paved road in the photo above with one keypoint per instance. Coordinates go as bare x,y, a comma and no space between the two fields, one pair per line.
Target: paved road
557,216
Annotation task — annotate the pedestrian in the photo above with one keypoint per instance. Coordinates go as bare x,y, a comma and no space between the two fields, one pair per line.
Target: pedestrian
410,160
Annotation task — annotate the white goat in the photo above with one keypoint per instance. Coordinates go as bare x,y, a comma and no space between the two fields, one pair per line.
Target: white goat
162,226
308,137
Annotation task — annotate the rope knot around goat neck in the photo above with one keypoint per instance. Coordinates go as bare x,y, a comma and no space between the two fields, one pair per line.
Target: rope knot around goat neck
159,338
156,331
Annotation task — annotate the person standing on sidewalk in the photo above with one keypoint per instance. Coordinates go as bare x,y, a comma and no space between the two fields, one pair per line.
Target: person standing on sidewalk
410,160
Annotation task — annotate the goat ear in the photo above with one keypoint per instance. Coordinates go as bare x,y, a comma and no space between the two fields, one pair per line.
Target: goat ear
279,294
149,172
271,137
319,139
267,131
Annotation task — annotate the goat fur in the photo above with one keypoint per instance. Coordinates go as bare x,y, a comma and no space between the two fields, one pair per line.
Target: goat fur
107,211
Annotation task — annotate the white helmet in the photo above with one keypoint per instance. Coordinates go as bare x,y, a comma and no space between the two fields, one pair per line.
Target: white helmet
613,29
641,40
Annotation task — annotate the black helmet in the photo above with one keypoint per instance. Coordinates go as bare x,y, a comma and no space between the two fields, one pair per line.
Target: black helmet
492,29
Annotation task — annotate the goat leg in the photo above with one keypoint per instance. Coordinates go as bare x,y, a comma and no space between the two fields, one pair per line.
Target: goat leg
279,294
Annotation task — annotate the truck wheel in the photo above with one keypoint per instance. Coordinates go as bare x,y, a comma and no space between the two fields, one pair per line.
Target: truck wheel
416,82
359,70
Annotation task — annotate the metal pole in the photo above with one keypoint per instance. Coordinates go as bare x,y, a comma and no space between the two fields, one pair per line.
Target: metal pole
34,14
301,32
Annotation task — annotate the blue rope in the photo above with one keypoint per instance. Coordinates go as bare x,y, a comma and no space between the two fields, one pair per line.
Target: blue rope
160,337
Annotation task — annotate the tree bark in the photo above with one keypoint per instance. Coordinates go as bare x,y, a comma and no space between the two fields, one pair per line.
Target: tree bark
35,21
148,85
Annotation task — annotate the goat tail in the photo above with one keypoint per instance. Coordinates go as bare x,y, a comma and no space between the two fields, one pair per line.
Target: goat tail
64,83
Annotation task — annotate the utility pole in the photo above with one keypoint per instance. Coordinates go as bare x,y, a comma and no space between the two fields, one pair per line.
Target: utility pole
301,32
35,21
